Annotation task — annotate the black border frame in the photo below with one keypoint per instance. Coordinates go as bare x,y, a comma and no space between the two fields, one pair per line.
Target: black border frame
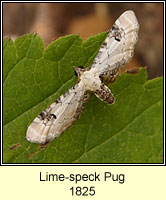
84,164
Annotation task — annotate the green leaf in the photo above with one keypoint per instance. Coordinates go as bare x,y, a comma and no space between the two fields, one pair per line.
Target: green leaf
129,131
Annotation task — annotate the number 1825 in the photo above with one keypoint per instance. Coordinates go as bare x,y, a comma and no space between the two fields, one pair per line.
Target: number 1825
83,191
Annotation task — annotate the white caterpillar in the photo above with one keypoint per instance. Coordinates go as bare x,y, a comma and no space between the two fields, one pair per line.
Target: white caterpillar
116,51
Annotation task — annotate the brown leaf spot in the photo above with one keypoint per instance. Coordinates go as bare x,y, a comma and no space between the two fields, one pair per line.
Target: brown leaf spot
14,146
42,146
